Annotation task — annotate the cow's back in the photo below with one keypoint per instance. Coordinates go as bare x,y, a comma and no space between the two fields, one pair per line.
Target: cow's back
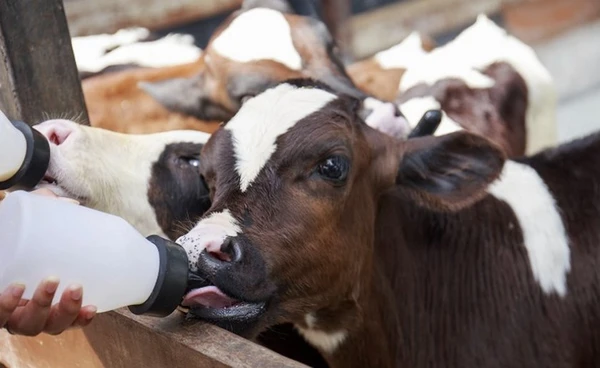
466,291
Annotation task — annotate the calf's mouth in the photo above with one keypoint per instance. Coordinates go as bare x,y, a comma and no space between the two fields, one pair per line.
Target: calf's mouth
230,290
206,301
50,183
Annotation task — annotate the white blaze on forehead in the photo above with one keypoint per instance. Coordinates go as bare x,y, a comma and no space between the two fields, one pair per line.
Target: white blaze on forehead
209,234
258,34
476,48
256,126
403,55
415,108
544,234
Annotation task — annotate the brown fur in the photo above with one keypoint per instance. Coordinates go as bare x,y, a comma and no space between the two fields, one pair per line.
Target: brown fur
497,113
176,191
115,102
370,77
381,83
412,284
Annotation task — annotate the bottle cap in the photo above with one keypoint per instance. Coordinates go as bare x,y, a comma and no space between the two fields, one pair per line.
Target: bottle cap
37,159
171,283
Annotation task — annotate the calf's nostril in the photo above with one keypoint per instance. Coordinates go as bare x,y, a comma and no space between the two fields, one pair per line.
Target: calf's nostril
220,256
56,132
211,260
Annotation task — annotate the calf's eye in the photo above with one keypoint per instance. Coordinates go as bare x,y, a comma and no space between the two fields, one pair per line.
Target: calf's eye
189,161
334,168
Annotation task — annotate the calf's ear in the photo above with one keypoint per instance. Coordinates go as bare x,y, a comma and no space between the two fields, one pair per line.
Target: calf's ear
181,95
448,172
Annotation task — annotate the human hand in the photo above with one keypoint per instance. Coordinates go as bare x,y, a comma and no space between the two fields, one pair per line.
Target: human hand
44,192
32,317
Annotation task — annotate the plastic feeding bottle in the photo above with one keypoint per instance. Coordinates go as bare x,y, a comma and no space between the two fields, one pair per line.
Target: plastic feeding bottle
24,154
42,237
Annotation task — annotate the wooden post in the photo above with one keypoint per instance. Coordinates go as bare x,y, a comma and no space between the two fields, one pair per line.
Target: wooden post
38,74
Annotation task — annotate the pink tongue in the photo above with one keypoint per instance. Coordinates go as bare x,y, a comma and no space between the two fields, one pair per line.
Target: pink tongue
208,296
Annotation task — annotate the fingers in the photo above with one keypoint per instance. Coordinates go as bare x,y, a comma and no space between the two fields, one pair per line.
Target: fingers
45,192
9,301
63,315
86,315
48,193
30,319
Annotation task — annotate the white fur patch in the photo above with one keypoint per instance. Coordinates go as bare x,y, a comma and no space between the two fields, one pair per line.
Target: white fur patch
544,233
88,49
263,118
258,34
403,55
209,234
173,49
415,108
479,46
326,341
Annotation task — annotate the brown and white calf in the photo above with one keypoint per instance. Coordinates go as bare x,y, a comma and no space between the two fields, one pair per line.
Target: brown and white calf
488,82
380,74
259,46
427,252
150,180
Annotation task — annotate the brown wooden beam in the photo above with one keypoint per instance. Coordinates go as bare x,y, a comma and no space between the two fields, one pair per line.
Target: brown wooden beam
38,75
88,17
120,339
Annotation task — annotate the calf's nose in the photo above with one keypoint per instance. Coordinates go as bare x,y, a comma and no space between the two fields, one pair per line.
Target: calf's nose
212,260
56,131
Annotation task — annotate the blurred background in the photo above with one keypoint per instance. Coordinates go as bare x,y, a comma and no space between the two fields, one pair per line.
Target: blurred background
564,33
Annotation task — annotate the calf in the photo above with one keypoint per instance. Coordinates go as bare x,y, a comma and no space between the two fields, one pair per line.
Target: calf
429,252
151,180
380,74
256,47
260,45
489,83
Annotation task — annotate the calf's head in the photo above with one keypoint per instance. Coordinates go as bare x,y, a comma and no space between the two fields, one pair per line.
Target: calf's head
152,180
257,47
295,178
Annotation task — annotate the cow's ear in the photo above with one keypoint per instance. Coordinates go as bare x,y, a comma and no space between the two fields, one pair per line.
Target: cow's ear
183,95
448,172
